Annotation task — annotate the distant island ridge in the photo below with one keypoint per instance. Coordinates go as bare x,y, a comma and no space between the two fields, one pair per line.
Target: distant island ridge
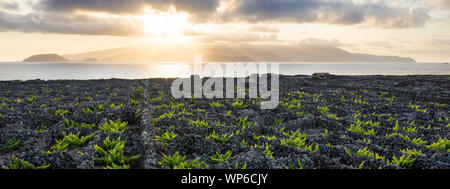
46,58
219,53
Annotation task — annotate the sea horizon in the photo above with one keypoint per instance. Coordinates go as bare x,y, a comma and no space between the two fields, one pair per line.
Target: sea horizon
142,70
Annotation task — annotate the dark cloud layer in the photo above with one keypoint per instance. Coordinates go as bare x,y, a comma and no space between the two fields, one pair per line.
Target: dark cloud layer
445,4
67,24
58,16
129,6
9,5
325,11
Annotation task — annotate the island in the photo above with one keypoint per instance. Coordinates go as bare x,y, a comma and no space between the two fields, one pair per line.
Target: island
46,58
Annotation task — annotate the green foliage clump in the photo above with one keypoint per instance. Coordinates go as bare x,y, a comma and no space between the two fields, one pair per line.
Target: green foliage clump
62,112
114,106
371,132
326,133
302,114
367,153
87,111
419,141
100,107
135,102
22,164
110,144
257,138
218,123
360,101
296,134
323,110
169,115
268,152
403,161
56,99
166,137
356,128
360,166
443,144
159,98
200,110
13,144
410,129
244,122
115,166
41,128
298,140
334,116
396,126
216,104
236,166
299,165
111,154
162,106
348,152
116,126
185,112
72,123
177,106
277,121
245,143
221,139
220,158
71,140
292,106
176,161
417,108
239,104
413,152
31,100
200,124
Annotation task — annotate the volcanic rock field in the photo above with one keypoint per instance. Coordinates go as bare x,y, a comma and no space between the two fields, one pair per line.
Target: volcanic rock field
346,122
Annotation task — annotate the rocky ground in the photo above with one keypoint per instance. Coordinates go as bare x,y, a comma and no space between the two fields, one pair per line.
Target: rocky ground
367,122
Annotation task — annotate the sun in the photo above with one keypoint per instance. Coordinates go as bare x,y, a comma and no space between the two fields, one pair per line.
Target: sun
165,23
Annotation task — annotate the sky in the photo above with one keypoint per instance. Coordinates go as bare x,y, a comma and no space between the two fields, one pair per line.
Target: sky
419,29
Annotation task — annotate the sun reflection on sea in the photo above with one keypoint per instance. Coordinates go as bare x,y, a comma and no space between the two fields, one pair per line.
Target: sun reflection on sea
169,70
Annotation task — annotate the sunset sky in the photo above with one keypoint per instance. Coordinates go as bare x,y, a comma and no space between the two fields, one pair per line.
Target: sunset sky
419,29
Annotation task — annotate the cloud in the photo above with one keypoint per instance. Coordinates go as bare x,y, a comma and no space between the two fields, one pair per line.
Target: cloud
326,11
383,17
264,29
9,5
63,16
70,24
445,4
196,8
321,42
436,4
438,41
344,12
381,44
234,37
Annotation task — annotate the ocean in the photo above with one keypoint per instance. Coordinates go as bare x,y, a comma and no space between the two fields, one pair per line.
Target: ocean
85,71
